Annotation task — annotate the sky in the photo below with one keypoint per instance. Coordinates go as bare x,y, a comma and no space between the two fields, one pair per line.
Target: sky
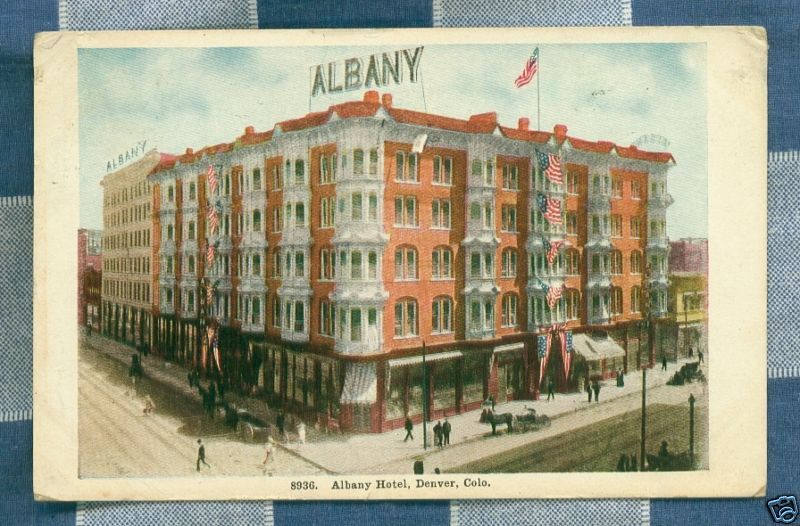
175,98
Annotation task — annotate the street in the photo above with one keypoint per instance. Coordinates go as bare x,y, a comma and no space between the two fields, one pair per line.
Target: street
118,440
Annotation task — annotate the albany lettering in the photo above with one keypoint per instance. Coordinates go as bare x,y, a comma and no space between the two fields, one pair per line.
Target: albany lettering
374,71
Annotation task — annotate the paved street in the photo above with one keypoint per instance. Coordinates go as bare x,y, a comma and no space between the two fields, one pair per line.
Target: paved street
164,443
118,440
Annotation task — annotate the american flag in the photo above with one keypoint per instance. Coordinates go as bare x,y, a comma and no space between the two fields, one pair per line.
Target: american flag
543,347
209,295
553,294
566,350
531,67
551,208
551,248
213,218
550,165
215,347
211,175
210,254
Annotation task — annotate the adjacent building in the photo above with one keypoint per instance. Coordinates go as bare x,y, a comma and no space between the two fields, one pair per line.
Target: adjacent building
352,241
688,265
89,277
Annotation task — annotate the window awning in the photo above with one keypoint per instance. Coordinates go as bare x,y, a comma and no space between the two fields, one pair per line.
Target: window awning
360,384
595,349
510,347
431,357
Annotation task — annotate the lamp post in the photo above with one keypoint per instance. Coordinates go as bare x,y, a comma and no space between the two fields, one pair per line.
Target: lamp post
424,399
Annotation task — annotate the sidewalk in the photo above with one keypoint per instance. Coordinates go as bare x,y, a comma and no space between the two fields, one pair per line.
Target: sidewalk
377,452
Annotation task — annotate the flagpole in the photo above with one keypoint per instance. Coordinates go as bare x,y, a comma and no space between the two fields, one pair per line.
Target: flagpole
538,99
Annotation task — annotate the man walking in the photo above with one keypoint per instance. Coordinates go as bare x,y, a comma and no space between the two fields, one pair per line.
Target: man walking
409,427
596,389
700,355
663,362
551,393
437,434
446,431
588,388
201,454
280,420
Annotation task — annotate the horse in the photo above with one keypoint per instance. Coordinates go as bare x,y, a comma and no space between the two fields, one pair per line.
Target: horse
497,419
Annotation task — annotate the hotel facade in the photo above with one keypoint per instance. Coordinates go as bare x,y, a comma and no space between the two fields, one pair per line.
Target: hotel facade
353,240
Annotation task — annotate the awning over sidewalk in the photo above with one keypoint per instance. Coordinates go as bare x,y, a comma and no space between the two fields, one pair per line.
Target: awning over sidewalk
360,384
510,347
596,349
431,357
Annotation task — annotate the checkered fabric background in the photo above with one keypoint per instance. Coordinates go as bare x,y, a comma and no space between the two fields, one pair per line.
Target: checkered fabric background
19,19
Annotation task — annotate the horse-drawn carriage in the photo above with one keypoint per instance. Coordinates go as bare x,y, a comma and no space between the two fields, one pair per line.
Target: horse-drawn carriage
528,421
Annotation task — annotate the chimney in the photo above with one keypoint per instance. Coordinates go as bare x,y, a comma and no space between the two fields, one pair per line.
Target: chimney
249,130
523,123
371,97
189,151
386,100
633,147
560,132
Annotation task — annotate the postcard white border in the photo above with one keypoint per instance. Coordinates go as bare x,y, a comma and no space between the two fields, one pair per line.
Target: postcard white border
737,183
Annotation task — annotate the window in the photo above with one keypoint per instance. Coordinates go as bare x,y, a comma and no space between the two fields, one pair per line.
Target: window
509,314
405,318
442,263
372,265
299,264
405,264
190,264
324,170
300,214
170,193
572,182
477,169
616,225
510,177
276,311
509,218
299,172
355,265
440,209
596,225
489,175
636,191
488,265
509,263
616,301
616,186
373,162
170,232
488,220
442,315
597,185
256,265
355,325
475,212
636,262
256,181
406,167
373,207
572,301
327,269
327,313
192,191
191,229
358,162
299,316
636,295
572,223
442,170
405,211
616,262
277,180
636,227
169,265
356,209
256,220
277,219
332,210
475,265
572,261
324,216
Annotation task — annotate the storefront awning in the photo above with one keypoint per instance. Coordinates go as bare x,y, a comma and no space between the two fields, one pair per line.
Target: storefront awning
431,357
595,349
510,347
360,384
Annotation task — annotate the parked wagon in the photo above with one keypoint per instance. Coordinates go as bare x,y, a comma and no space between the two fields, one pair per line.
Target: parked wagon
530,421
250,428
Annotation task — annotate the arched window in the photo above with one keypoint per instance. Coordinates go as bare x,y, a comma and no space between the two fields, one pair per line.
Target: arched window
442,263
572,261
616,262
509,263
616,301
405,318
405,263
636,262
509,315
442,315
636,296
572,302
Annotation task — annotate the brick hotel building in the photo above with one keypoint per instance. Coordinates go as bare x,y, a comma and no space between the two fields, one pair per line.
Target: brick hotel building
341,251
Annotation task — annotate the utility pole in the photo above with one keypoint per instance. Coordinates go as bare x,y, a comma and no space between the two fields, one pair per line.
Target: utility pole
642,451
691,428
424,400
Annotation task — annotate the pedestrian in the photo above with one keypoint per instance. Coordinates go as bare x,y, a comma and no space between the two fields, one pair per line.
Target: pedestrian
201,454
622,463
280,421
700,355
663,362
301,433
491,399
663,451
596,389
437,471
269,457
149,406
437,434
190,377
621,377
409,426
551,389
446,431
588,388
691,351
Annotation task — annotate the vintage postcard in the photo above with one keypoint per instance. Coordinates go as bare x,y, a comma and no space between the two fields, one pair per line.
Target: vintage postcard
401,264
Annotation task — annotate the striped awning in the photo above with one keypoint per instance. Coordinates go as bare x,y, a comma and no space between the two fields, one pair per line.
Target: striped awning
595,349
360,384
430,357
